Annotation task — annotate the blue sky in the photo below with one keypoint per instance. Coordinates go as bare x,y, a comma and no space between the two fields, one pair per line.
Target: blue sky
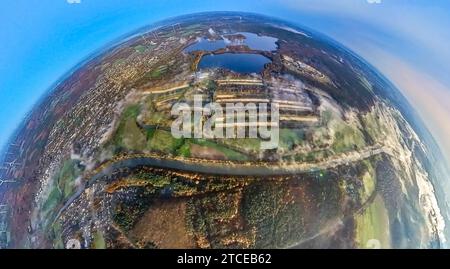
407,40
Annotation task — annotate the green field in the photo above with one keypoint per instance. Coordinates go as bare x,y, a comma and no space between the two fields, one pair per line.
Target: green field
290,137
372,226
99,240
245,144
229,153
62,186
157,73
164,141
128,135
140,48
347,138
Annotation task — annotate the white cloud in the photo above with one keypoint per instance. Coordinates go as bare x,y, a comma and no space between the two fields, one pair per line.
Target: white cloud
374,1
74,1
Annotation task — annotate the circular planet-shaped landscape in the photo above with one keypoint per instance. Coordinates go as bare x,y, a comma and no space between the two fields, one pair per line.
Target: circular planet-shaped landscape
344,161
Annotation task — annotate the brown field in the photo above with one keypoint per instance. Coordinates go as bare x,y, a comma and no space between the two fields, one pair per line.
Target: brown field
203,152
164,225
